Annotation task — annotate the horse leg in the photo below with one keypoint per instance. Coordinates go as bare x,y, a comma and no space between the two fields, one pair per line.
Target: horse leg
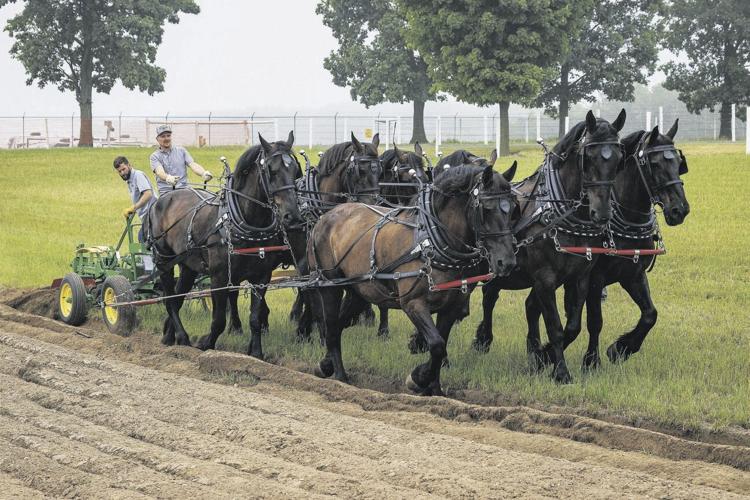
219,299
326,306
538,358
383,330
545,295
168,284
483,337
257,301
304,325
631,342
184,285
575,297
297,308
235,324
265,311
425,378
594,322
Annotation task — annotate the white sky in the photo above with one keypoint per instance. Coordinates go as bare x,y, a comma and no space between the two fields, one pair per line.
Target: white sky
233,58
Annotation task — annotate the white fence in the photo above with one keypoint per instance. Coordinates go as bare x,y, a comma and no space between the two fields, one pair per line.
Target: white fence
36,132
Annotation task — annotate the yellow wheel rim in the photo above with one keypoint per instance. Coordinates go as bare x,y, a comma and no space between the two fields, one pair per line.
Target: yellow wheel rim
110,312
66,299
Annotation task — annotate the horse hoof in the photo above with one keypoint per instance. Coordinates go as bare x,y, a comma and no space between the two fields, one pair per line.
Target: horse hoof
204,343
618,354
167,340
324,369
482,346
432,390
535,363
384,333
562,377
413,386
235,330
591,363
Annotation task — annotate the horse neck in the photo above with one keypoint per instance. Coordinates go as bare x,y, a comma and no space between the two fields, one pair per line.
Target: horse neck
570,176
253,212
331,184
454,215
631,193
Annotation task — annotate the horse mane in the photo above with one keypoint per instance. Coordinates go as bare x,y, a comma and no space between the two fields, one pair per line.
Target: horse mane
249,158
338,153
631,140
458,157
570,140
390,157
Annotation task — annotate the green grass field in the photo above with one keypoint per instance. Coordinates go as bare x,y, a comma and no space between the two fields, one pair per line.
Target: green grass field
694,368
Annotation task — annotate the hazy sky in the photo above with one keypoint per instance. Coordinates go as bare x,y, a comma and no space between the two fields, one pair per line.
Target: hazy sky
235,57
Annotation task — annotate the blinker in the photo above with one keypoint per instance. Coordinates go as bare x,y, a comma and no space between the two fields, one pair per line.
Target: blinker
606,152
505,206
668,155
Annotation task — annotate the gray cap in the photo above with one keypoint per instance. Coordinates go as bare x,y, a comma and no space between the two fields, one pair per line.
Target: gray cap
163,128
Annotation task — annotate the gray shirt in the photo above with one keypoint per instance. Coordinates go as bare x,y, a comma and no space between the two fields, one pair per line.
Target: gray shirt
137,185
174,161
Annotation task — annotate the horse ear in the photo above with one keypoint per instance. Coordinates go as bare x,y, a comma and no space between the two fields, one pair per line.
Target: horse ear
376,141
590,121
511,172
418,149
487,175
620,121
264,143
673,131
493,157
654,137
356,143
290,139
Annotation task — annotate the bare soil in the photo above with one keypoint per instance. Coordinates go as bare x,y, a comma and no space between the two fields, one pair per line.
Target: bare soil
87,414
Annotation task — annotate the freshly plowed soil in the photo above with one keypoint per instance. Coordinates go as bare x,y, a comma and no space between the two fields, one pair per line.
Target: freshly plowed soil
87,414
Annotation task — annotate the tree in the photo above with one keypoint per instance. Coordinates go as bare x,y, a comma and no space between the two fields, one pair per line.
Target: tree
487,52
715,37
86,45
372,58
613,48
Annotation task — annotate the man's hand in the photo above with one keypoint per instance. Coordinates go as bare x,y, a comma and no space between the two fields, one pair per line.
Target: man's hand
171,179
207,176
128,211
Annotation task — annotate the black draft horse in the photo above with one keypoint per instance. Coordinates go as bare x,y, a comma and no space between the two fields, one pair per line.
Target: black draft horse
653,167
565,203
387,260
190,228
347,172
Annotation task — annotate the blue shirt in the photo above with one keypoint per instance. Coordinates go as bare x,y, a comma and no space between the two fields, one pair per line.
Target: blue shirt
138,183
174,161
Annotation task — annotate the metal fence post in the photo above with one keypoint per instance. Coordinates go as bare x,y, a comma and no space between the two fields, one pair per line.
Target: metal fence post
294,124
734,125
275,129
538,123
661,119
252,128
209,128
23,129
455,130
397,131
714,126
119,128
497,136
310,136
72,129
527,128
335,127
346,131
485,129
747,130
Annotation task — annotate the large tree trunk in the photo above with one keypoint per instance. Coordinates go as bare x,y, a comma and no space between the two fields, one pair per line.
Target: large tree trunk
86,79
725,131
564,101
86,137
417,131
504,129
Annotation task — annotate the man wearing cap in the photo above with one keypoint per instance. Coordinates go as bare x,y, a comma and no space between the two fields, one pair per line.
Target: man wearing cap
141,192
170,163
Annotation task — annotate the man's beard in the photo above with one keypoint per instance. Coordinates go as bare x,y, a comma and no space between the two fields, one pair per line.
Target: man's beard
125,177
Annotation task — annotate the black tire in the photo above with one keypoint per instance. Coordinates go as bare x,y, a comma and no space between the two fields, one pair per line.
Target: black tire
119,320
72,303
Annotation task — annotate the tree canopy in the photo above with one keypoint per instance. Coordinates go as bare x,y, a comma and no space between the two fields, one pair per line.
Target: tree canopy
611,47
714,36
487,52
86,45
372,58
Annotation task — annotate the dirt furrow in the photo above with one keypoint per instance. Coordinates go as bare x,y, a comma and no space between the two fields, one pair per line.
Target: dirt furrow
162,416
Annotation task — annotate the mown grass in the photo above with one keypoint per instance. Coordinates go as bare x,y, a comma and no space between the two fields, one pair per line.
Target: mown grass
693,371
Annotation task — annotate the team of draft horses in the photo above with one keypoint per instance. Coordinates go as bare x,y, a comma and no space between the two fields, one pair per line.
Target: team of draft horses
363,228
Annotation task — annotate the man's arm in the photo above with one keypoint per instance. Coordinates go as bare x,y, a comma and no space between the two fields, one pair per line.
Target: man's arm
159,172
145,196
195,167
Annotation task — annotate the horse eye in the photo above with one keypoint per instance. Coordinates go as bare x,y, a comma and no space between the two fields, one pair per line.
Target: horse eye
505,206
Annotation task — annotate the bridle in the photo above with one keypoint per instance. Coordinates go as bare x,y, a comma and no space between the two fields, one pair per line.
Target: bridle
643,162
351,175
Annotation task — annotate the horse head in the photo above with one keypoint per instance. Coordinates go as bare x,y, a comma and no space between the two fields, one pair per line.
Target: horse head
593,155
361,176
278,168
661,166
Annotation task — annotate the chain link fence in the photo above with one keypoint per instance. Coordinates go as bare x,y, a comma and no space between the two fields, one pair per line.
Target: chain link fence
112,131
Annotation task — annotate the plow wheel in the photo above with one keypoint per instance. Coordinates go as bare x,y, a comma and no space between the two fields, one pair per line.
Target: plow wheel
72,305
119,320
